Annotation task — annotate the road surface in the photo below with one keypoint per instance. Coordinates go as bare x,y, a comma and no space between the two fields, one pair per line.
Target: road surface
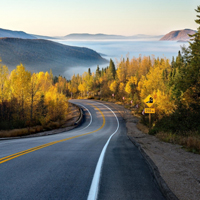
94,161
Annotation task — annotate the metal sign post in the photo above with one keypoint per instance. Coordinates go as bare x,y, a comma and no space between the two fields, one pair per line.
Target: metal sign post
149,120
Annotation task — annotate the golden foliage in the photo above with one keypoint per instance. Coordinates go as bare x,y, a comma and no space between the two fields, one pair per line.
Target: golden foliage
28,99
113,86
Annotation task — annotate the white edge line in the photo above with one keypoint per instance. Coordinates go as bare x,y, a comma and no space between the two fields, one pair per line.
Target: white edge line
94,188
90,116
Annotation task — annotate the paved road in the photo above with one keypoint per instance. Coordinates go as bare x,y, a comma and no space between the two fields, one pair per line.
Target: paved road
64,166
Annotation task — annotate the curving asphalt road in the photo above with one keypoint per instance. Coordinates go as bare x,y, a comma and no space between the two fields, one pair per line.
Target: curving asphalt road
94,161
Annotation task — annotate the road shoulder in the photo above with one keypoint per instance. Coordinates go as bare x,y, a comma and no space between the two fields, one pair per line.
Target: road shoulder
177,171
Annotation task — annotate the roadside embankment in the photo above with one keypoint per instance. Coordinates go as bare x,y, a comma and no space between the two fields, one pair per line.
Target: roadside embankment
174,169
73,119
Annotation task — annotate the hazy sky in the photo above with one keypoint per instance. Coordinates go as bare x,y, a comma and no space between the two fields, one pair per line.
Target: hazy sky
123,17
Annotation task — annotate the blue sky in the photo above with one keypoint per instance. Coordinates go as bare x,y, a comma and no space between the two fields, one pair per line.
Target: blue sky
122,17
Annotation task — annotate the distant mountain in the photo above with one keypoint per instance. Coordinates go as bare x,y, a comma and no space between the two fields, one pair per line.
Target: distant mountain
144,37
44,37
179,35
15,34
76,36
87,36
43,55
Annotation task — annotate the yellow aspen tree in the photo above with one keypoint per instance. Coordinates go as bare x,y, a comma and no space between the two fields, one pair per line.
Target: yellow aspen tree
81,88
128,88
34,92
133,67
164,104
113,86
122,72
121,89
74,85
88,81
61,84
57,105
4,89
20,79
145,65
4,72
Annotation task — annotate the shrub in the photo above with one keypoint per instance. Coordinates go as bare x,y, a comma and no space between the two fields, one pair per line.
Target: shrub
153,131
180,122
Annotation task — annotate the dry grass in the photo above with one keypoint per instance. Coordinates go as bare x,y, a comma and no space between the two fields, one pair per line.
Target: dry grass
21,132
191,142
118,103
53,125
31,130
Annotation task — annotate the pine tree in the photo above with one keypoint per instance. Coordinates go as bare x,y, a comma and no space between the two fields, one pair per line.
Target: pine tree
192,53
89,71
187,77
98,72
112,69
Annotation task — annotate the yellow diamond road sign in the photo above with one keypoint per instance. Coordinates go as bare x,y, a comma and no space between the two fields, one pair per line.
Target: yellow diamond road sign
149,101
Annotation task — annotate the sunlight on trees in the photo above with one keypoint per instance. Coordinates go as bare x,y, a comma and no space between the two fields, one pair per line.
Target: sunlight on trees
30,99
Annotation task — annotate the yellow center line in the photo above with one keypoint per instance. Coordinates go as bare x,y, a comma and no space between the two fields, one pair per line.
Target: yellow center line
15,155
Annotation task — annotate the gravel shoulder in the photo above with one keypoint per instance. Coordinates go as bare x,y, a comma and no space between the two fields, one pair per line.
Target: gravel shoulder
179,169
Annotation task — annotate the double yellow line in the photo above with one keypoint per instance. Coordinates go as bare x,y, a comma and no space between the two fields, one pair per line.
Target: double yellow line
10,157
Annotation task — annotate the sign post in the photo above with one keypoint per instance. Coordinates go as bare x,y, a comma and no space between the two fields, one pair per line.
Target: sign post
149,101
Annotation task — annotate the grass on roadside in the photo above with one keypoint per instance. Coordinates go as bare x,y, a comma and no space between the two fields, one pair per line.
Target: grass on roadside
40,128
190,141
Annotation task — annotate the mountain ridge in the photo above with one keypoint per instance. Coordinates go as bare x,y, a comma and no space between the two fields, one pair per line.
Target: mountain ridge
178,35
15,34
43,55
76,36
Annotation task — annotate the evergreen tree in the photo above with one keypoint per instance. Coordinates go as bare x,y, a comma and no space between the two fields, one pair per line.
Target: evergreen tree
89,71
112,69
102,72
192,60
187,71
172,63
98,72
192,53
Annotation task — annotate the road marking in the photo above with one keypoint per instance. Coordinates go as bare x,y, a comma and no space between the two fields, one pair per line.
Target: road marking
10,157
94,188
89,114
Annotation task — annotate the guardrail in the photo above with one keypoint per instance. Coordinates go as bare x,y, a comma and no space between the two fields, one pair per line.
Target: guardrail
79,120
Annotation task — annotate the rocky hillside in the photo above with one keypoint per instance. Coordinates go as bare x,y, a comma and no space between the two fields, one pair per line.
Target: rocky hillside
43,55
178,35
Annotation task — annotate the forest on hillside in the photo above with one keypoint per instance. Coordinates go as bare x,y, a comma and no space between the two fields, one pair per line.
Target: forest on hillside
30,99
